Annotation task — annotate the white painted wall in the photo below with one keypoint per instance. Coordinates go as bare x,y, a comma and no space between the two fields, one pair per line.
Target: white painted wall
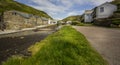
52,21
108,10
69,22
88,18
49,21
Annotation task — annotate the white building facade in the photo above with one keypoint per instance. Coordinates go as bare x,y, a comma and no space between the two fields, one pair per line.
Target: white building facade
105,10
88,17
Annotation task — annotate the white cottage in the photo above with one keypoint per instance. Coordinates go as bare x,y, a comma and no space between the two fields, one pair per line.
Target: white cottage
105,10
53,21
88,17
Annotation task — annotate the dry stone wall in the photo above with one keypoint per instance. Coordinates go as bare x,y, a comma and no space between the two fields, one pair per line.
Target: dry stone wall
16,20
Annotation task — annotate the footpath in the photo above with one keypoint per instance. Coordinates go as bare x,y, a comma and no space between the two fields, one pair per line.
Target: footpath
25,29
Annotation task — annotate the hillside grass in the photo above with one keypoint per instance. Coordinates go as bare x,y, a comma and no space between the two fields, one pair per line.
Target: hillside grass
65,47
6,5
72,18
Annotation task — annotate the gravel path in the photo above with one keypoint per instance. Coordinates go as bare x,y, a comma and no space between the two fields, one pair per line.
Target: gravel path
105,40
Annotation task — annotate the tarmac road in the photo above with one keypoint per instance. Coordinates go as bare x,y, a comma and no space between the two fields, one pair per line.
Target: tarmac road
105,40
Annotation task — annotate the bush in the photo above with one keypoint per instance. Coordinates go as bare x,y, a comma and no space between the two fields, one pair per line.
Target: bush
77,23
116,22
118,11
80,24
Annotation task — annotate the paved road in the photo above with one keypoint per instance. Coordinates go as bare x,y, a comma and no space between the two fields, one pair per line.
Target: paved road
105,40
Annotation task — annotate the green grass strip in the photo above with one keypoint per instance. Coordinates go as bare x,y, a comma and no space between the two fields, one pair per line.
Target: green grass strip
65,47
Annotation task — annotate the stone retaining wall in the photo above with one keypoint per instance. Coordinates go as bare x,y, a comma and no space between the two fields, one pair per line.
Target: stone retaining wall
15,20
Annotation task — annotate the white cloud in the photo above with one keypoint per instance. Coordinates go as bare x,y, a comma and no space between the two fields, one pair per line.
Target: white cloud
62,8
92,2
47,5
98,2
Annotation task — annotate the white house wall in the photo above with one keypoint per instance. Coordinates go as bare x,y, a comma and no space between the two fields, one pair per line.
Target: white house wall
88,18
108,10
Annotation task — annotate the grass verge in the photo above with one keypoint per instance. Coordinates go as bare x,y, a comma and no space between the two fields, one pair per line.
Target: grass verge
65,47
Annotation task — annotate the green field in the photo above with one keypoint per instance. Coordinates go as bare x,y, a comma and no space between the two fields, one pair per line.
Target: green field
65,47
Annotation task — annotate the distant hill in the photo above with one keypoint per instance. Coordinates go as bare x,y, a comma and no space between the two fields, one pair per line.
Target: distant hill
72,18
6,5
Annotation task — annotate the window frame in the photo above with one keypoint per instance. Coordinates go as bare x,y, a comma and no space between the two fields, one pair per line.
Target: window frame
102,9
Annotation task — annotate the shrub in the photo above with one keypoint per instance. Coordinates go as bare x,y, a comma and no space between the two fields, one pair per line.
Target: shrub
116,22
77,23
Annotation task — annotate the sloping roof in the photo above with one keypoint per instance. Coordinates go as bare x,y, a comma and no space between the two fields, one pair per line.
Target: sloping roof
106,3
88,11
25,15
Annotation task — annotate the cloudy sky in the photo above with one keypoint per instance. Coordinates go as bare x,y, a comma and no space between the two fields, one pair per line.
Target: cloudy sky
59,9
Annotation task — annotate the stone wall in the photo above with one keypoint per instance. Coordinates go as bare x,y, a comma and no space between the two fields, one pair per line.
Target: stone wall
14,21
18,20
39,21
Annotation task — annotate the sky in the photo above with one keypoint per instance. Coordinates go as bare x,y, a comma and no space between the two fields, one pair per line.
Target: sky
60,9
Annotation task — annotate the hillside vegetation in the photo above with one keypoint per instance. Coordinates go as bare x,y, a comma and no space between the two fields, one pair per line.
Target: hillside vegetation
65,47
116,17
72,18
116,2
6,5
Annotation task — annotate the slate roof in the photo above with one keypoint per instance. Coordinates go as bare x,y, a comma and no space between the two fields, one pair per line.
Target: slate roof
25,15
88,11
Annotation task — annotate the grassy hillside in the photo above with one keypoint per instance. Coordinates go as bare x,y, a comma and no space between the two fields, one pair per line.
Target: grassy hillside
72,18
116,2
116,17
65,47
13,5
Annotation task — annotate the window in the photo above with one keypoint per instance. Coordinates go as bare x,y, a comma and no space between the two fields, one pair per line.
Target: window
14,13
102,9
